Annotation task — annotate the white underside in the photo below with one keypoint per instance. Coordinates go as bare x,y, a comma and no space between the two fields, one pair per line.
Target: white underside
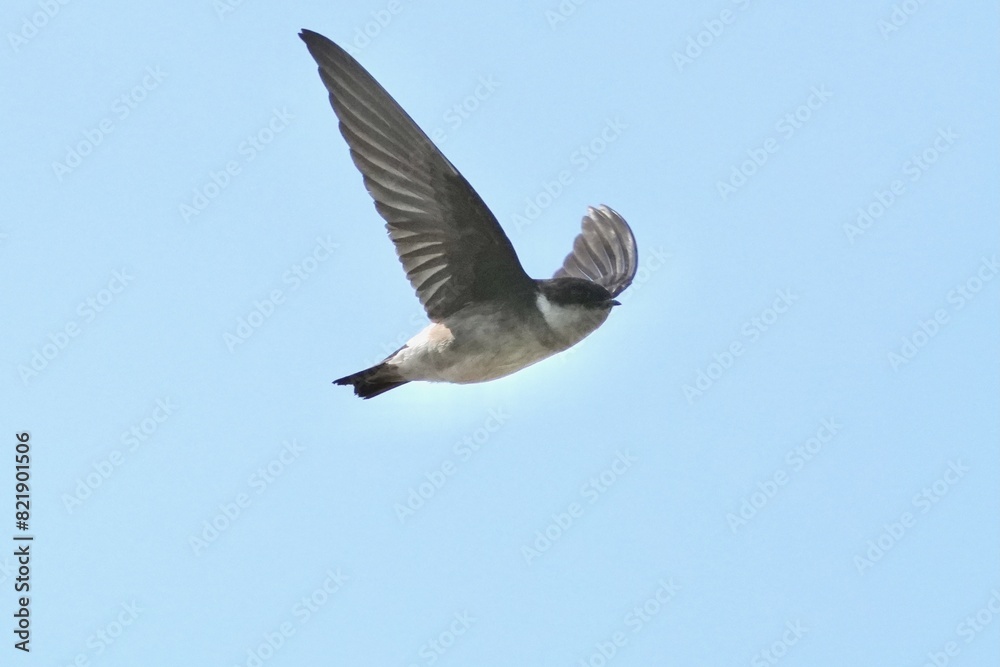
479,347
431,356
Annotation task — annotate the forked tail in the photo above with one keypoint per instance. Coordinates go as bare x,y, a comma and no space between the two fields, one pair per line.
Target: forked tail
373,381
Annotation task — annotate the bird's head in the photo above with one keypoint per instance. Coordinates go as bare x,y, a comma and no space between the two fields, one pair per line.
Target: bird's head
577,292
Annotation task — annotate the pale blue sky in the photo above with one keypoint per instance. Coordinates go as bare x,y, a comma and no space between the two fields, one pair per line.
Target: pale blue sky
782,448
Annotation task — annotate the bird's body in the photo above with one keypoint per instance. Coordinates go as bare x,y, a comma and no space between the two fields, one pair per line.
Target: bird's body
488,318
482,343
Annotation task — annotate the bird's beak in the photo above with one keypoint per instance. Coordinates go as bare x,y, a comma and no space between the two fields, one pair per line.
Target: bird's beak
613,302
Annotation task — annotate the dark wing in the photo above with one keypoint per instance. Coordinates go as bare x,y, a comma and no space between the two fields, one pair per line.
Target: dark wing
450,244
604,252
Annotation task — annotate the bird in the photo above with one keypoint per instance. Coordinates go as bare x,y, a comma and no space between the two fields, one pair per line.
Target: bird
488,318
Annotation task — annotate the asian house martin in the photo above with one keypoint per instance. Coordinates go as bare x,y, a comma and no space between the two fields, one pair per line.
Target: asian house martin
488,317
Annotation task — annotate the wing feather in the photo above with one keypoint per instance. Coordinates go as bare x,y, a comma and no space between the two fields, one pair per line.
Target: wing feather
604,252
451,246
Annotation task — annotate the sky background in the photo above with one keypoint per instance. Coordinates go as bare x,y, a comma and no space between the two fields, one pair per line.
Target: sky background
782,448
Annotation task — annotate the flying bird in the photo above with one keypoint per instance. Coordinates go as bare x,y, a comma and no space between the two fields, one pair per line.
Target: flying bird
488,318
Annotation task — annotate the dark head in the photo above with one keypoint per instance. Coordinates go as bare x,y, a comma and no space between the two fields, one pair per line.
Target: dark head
576,292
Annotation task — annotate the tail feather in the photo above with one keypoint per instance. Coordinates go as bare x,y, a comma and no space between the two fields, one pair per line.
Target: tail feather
373,381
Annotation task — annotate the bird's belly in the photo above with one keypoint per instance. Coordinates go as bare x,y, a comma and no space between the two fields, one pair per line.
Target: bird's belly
480,356
491,364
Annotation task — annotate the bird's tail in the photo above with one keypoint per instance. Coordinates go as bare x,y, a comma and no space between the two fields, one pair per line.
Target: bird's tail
373,381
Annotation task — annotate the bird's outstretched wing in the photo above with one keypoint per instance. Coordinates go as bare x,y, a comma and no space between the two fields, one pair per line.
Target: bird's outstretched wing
451,246
604,252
